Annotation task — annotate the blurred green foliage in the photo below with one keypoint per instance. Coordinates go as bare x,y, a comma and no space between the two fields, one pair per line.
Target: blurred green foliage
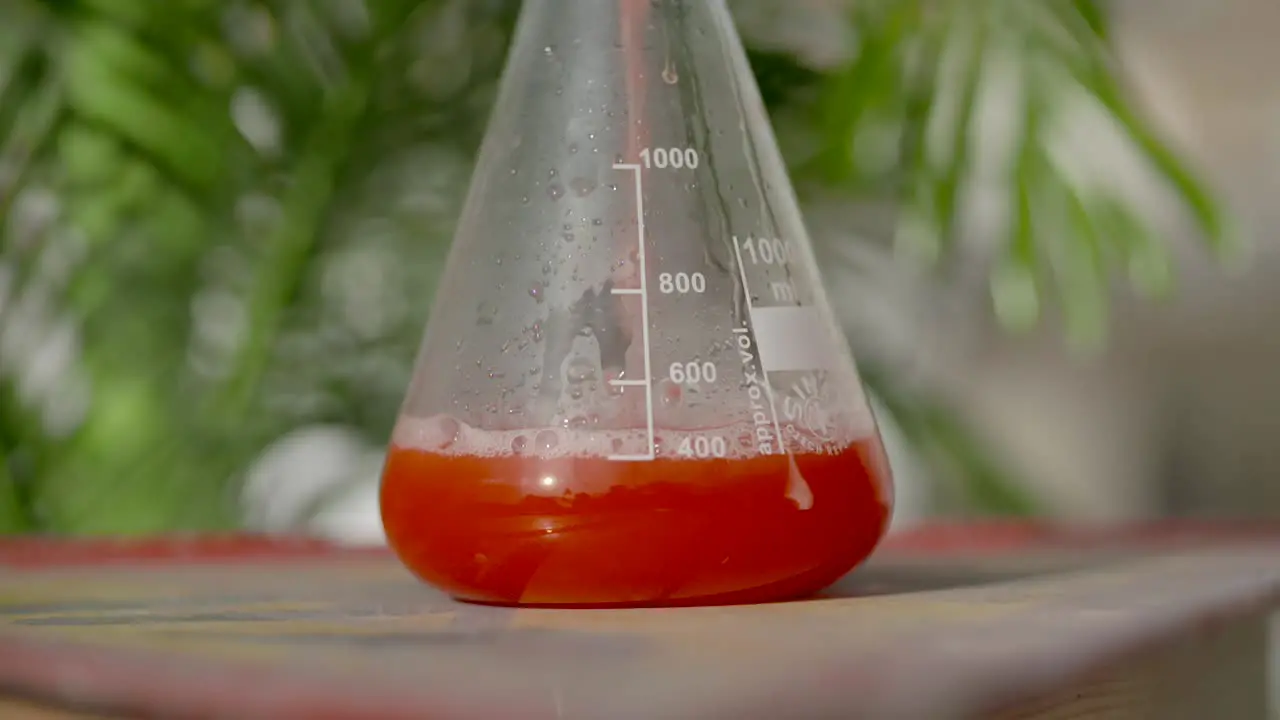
223,219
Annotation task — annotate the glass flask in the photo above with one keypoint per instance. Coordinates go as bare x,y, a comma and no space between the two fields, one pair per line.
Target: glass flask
632,390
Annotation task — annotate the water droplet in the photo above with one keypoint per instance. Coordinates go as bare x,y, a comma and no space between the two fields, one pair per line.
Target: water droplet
524,200
518,444
549,50
536,292
515,171
573,148
580,370
546,268
546,439
568,237
555,190
597,222
670,76
582,186
552,173
575,393
616,444
670,393
577,422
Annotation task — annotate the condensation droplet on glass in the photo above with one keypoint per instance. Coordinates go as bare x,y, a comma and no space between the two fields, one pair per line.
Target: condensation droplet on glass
555,190
573,148
616,444
515,171
524,200
670,393
580,370
546,439
518,444
549,50
536,291
577,422
552,173
669,75
582,186
597,222
568,237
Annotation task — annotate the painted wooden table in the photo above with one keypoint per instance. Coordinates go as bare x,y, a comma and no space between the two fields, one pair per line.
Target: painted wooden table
999,621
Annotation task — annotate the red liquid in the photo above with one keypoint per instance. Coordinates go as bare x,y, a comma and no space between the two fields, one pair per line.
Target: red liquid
591,532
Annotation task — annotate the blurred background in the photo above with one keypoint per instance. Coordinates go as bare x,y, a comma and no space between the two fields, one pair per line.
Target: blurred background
1043,224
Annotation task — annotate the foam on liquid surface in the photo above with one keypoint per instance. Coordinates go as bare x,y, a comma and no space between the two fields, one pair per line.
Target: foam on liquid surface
446,435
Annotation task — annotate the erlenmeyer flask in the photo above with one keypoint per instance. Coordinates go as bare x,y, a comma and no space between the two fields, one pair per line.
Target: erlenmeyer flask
632,390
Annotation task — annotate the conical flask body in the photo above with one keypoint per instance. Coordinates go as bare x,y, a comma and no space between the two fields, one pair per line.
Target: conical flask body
632,390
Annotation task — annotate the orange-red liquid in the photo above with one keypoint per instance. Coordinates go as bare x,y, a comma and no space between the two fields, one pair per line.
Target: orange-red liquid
591,532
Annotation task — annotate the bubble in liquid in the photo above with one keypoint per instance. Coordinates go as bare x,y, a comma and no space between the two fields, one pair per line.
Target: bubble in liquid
555,190
546,439
518,444
438,433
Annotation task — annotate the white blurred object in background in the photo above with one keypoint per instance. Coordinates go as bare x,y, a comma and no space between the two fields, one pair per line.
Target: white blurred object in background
320,480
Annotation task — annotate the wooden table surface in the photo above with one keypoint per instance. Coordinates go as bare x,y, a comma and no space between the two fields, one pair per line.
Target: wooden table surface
1000,621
